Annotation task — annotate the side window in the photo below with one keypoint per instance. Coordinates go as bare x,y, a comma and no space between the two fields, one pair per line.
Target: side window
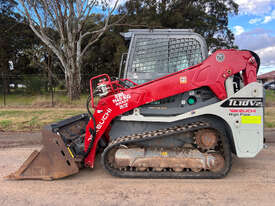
183,53
150,55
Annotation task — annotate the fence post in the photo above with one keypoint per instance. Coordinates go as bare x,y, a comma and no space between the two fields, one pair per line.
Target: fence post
4,88
52,91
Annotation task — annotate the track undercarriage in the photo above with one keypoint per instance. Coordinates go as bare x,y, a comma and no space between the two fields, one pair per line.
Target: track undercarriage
207,156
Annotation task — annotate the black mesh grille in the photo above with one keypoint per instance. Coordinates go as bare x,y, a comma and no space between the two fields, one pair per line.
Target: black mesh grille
165,55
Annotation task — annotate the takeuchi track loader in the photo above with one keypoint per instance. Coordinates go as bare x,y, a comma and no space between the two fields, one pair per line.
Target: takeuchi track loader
174,112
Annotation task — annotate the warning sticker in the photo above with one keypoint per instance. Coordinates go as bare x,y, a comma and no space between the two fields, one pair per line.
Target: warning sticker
164,153
251,119
121,100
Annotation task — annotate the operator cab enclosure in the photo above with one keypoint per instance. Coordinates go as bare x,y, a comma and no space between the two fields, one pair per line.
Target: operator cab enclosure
156,53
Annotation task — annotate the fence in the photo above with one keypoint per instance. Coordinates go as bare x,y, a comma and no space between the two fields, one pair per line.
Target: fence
40,90
36,90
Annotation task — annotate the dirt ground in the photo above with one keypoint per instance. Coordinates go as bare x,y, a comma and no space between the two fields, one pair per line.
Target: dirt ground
250,182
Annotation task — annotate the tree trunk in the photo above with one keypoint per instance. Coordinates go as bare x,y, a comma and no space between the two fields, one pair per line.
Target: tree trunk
74,84
5,69
49,70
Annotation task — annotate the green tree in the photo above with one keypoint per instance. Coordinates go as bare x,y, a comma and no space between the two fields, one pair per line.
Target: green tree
7,23
206,17
105,57
14,37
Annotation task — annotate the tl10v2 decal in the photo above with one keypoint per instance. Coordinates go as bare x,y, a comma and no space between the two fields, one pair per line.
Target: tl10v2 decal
243,102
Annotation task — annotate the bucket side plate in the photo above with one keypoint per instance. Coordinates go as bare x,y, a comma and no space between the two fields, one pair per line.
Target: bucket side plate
54,161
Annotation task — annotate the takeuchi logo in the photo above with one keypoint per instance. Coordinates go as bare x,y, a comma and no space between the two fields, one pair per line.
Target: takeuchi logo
103,119
242,110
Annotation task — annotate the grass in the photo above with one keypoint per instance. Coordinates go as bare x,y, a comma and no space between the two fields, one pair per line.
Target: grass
33,119
5,123
270,97
41,100
28,119
270,117
270,109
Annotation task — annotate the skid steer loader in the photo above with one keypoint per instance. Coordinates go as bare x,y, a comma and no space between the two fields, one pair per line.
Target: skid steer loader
174,112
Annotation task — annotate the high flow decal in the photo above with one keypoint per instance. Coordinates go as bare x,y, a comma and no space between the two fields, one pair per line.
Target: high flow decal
121,100
241,112
243,102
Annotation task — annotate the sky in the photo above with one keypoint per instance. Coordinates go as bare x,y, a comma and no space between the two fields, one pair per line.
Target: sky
254,29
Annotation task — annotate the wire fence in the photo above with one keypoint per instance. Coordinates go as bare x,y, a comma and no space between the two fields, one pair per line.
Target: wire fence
36,89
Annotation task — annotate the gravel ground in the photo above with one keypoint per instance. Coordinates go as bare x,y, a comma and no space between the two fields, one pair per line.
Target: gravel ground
250,182
18,139
269,135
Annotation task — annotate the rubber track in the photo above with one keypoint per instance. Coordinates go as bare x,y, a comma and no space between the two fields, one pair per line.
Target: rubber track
146,136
